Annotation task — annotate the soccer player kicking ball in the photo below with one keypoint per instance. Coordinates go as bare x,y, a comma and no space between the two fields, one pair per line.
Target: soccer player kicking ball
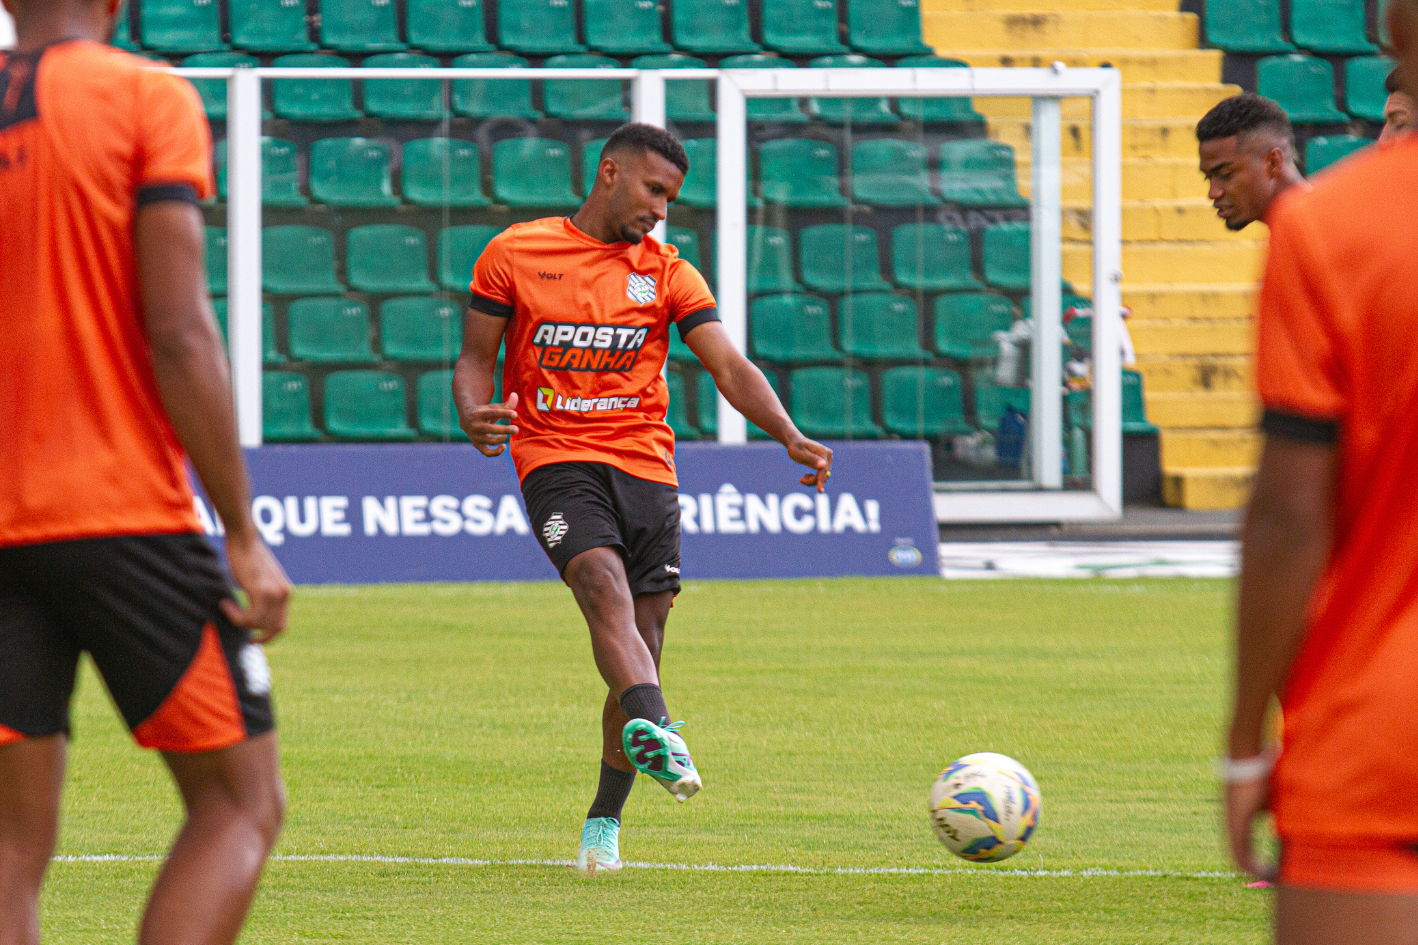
586,304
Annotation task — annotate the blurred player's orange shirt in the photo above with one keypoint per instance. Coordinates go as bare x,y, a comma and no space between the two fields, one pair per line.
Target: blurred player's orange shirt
1338,357
588,337
86,449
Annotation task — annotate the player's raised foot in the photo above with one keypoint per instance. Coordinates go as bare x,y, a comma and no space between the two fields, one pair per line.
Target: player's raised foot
662,754
600,846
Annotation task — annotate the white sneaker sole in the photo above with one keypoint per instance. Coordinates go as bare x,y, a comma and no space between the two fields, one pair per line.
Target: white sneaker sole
683,789
592,865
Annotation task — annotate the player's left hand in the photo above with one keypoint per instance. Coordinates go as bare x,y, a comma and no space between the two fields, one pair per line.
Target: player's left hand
1246,801
816,456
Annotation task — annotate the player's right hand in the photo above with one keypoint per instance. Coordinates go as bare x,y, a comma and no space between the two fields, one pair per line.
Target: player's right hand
1245,802
258,573
491,426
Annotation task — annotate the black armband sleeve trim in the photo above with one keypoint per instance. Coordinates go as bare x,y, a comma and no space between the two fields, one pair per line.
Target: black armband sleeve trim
491,307
157,193
1295,427
694,319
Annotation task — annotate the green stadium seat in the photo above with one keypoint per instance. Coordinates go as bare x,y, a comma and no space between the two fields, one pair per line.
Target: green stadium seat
270,353
447,26
1245,26
1364,92
314,99
285,408
922,403
800,172
624,27
280,176
366,405
889,172
269,26
123,31
711,26
216,259
1006,256
678,414
1304,87
833,403
443,172
1135,405
802,27
420,328
770,260
679,351
1330,26
1322,151
965,324
458,249
838,258
359,25
351,172
330,330
493,98
885,27
791,329
437,416
937,111
880,326
932,257
860,111
298,260
991,402
213,91
707,396
767,109
537,27
180,26
701,184
686,241
584,99
686,100
975,172
532,172
386,257
403,99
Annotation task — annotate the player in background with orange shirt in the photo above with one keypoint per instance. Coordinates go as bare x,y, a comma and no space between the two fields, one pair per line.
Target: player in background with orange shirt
111,369
586,304
1246,149
1328,608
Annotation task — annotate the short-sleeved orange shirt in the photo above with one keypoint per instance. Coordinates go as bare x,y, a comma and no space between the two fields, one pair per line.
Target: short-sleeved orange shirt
86,449
1338,357
587,342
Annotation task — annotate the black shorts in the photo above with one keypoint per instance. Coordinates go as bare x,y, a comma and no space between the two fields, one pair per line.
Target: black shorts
575,507
145,609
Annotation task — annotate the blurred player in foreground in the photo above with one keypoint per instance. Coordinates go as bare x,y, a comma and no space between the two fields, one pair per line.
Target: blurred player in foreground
1247,154
111,368
1400,110
1328,608
586,304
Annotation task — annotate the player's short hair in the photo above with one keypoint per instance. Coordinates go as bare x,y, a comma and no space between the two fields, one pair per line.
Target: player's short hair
1243,115
1394,82
641,138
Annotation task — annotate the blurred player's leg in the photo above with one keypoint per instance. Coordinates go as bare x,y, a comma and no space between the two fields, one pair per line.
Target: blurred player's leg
235,802
31,778
1324,917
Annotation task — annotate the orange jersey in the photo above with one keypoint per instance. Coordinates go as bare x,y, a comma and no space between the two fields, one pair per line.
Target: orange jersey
86,449
1337,360
587,342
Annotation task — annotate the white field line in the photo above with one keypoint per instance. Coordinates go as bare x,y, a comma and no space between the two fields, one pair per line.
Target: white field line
689,867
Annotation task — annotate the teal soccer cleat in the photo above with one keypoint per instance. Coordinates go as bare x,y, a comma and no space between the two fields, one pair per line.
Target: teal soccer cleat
663,755
600,846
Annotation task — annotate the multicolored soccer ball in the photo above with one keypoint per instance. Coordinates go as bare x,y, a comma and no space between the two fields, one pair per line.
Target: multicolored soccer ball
985,806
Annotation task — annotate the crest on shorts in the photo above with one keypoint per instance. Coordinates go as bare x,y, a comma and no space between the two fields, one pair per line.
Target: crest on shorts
555,530
640,289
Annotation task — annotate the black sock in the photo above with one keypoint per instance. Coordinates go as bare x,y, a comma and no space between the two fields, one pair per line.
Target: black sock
644,701
611,793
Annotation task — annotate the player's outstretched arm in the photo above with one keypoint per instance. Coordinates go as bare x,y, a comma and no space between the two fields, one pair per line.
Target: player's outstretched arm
195,385
489,425
744,386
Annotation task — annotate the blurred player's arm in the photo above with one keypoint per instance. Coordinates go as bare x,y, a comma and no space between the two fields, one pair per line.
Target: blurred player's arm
744,386
195,385
488,425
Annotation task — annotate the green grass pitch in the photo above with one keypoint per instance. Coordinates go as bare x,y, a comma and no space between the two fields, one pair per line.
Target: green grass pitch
463,722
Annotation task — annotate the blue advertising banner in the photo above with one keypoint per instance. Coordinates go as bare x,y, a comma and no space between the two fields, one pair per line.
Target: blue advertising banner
361,514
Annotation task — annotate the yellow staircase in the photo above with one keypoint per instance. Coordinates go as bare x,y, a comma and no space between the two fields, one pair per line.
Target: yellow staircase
1188,280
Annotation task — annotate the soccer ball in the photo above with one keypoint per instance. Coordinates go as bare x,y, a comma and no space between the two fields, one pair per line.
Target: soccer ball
984,807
